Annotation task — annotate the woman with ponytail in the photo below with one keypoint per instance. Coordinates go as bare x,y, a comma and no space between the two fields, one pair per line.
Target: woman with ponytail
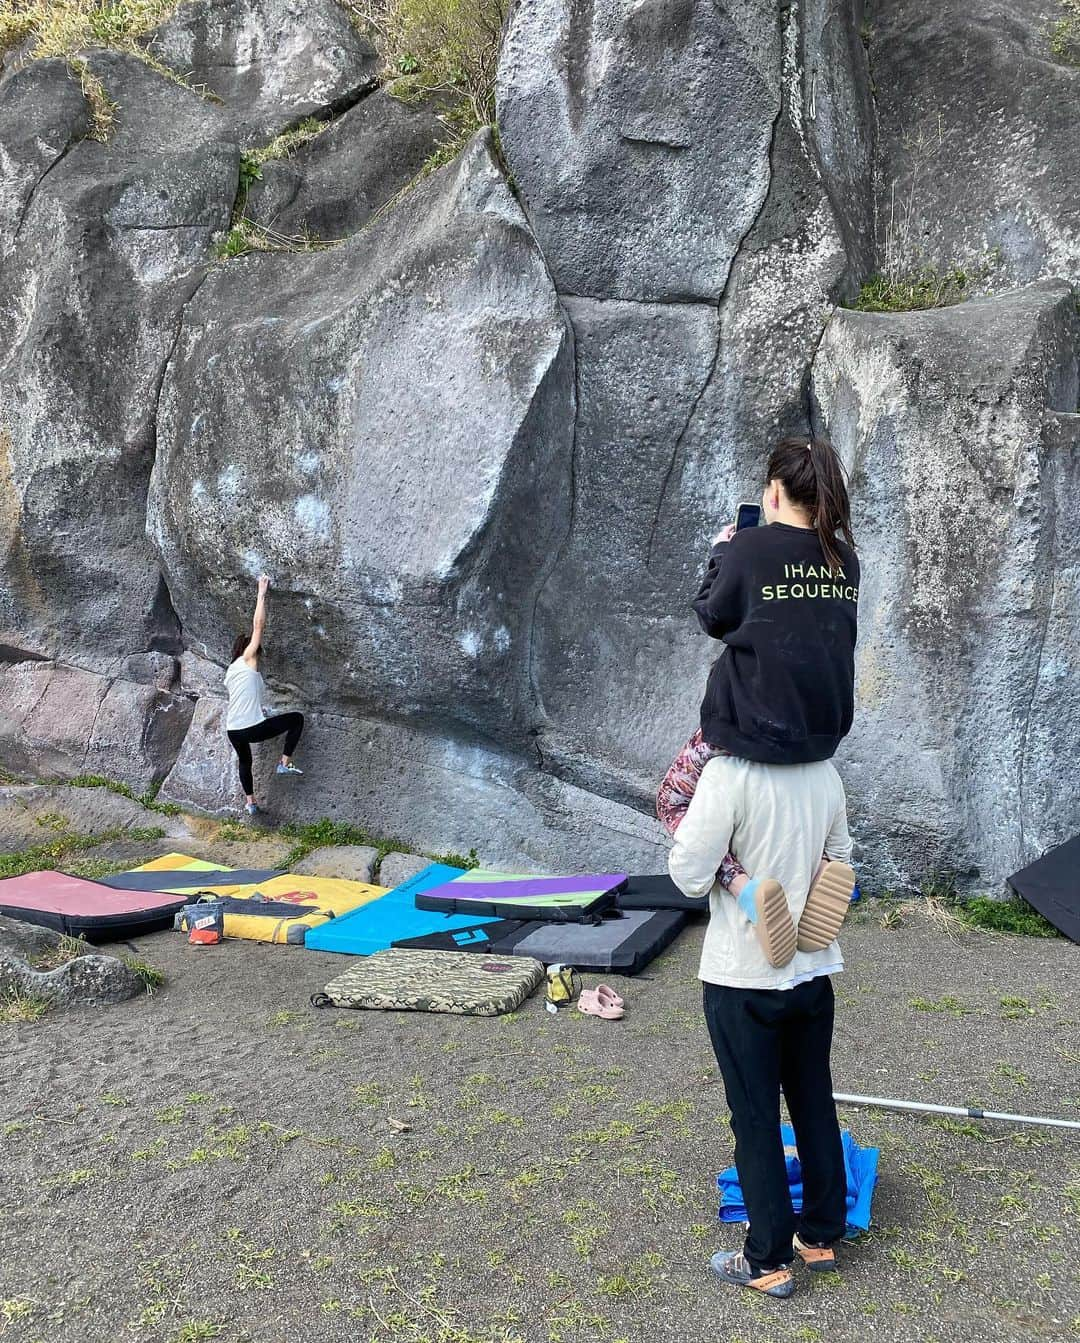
783,599
757,780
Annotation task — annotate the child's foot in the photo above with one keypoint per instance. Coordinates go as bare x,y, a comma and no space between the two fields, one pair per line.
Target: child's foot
289,768
764,903
817,1258
252,809
733,1266
826,905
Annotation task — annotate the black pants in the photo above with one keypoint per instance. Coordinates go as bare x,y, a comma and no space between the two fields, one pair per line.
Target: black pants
766,1039
292,724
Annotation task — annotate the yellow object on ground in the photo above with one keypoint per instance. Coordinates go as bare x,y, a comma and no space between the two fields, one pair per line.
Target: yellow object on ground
314,900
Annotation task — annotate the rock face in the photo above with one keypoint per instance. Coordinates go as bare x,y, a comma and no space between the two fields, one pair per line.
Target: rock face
977,132
272,62
481,445
405,549
952,425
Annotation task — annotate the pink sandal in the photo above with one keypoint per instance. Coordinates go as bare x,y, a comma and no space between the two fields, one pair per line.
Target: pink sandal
590,1002
609,996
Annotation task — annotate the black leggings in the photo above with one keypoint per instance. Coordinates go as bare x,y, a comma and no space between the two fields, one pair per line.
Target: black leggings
292,724
765,1040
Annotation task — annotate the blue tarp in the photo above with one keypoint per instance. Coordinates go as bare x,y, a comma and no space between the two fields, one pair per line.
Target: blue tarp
860,1165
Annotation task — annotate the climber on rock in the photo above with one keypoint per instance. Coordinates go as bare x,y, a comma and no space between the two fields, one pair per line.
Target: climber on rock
783,598
246,720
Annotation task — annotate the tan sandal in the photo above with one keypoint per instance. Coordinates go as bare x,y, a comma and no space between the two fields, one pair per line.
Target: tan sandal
826,906
773,924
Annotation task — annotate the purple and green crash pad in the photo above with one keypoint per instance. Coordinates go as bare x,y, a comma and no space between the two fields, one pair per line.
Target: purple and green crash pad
511,895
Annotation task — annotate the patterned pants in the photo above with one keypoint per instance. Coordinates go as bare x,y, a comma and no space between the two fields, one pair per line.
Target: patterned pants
678,788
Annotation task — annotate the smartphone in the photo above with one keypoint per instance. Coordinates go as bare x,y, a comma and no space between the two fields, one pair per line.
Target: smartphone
747,515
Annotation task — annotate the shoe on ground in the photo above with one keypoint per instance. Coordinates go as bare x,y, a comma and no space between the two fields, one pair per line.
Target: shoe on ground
288,769
732,1266
817,1258
826,906
764,903
252,809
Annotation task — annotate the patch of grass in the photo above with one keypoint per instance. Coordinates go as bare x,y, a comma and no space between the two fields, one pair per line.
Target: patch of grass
147,799
1013,1007
466,860
1065,34
324,833
1005,916
15,1007
197,1331
246,236
63,27
151,976
914,291
16,1308
946,1003
58,852
67,949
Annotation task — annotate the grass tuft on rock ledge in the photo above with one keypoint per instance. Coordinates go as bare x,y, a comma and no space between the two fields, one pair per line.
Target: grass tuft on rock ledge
63,27
147,799
914,292
1065,34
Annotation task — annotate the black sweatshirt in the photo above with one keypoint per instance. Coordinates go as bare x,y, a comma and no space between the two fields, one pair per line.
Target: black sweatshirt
782,691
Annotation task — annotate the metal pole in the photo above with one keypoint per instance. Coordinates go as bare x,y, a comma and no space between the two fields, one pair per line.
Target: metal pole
966,1112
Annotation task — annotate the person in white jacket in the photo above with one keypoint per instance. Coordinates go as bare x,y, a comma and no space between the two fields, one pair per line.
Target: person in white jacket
771,1027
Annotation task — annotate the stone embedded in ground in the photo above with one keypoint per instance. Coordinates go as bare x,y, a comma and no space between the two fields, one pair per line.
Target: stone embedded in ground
60,721
351,862
31,942
88,980
272,62
331,186
965,512
318,422
399,867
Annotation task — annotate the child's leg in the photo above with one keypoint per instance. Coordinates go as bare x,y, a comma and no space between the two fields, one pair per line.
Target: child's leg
675,793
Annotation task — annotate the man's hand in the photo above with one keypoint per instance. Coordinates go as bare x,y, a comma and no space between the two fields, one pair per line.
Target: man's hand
725,535
264,584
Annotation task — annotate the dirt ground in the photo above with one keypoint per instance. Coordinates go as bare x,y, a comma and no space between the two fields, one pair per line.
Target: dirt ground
221,1160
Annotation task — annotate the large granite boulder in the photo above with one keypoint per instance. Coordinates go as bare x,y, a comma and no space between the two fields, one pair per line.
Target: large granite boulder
978,150
960,429
332,185
385,429
272,62
114,239
61,721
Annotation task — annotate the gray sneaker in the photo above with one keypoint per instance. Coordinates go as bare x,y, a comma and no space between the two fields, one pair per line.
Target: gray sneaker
252,809
734,1267
289,769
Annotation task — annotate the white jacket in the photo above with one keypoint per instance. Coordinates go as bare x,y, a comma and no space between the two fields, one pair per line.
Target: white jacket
777,820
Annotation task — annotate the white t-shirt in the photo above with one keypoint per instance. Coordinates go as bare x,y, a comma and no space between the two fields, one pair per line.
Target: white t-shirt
778,820
245,688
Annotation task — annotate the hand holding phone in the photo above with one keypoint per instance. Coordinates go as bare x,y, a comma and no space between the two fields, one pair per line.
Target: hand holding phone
747,515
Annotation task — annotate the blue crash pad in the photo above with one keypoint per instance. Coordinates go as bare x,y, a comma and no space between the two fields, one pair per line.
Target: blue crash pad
860,1166
374,926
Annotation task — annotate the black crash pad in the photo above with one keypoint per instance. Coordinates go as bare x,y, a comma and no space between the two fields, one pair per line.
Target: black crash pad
1052,886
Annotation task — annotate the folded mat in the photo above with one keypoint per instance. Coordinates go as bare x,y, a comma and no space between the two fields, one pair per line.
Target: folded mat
658,892
377,925
860,1168
314,900
1051,885
434,981
508,895
621,943
188,879
85,908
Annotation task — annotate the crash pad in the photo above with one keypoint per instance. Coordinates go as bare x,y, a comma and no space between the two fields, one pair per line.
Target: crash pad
377,925
84,908
1051,885
510,895
860,1168
619,944
188,879
314,900
434,981
659,892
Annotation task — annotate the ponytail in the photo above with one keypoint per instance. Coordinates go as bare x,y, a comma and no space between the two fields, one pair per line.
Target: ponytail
813,476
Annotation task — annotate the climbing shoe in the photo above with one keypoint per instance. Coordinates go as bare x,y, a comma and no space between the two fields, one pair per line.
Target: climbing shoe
252,809
817,1258
733,1266
826,905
